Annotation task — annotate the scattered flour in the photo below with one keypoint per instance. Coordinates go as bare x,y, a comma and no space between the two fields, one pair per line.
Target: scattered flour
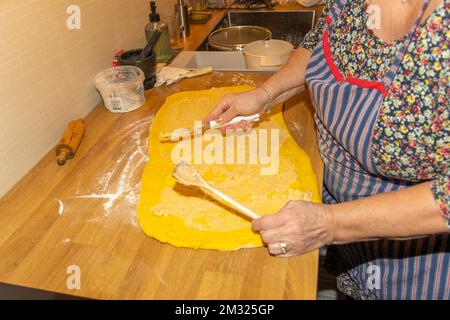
242,79
115,187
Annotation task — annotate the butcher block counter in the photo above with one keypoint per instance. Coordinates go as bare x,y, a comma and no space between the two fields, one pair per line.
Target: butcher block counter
73,229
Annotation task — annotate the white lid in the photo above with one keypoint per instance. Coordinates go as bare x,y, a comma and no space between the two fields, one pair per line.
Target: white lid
268,48
119,77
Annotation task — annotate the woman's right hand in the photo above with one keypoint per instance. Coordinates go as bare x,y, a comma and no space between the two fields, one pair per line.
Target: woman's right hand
240,104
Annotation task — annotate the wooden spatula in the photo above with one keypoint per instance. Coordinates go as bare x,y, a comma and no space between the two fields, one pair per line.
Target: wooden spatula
187,175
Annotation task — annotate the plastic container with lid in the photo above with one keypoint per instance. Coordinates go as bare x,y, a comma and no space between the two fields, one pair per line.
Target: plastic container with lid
270,54
122,88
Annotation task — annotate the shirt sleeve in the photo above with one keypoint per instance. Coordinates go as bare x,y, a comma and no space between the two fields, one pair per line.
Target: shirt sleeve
313,37
441,192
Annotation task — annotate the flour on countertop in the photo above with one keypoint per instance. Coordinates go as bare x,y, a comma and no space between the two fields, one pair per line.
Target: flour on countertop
116,185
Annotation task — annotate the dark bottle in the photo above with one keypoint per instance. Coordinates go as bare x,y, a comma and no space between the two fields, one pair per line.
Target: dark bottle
162,49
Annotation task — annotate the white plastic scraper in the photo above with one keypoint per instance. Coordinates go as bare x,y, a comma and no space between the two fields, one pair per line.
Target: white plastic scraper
253,118
215,125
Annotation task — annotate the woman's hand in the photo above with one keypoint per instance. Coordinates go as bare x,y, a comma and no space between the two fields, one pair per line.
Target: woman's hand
286,83
301,226
240,104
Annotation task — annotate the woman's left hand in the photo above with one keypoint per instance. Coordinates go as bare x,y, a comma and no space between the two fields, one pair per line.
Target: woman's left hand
299,227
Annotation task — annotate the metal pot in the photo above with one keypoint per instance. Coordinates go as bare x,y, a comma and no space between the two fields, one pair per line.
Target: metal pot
235,38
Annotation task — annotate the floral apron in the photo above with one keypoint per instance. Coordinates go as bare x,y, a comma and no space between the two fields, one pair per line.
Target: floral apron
347,110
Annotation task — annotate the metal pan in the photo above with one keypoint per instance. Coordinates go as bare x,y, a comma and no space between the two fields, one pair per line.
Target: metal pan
235,38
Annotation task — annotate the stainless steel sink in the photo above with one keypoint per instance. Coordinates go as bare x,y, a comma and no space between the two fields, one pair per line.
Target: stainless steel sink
291,26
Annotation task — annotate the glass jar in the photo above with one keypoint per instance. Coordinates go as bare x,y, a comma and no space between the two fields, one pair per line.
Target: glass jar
199,5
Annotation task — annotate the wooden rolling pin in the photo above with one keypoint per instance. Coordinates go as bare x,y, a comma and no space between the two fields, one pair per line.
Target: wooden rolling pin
70,142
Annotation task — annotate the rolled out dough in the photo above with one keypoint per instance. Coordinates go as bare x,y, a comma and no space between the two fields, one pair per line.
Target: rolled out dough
188,217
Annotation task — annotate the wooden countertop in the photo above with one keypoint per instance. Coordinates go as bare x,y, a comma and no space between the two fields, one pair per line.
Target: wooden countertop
199,32
47,226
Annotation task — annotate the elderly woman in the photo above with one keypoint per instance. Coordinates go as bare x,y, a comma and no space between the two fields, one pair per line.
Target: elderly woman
381,96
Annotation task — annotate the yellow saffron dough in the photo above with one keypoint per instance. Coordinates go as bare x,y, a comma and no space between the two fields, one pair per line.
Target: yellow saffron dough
188,217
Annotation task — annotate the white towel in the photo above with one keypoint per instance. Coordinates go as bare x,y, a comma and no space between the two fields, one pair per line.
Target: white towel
169,75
